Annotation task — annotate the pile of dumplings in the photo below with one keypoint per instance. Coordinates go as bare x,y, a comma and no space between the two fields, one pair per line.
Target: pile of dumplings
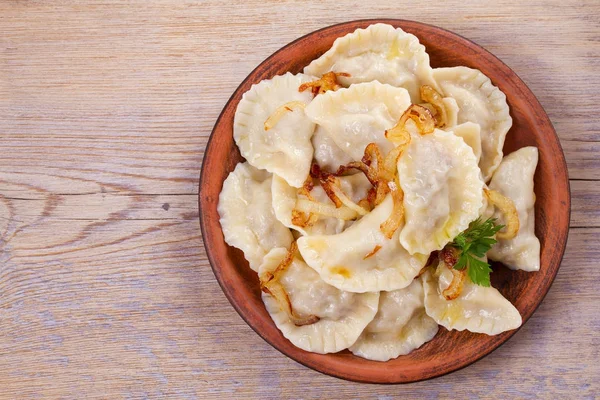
335,280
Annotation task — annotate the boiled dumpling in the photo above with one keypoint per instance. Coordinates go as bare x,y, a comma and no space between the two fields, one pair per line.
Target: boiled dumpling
451,111
286,148
378,53
443,190
285,197
481,102
362,259
359,115
328,154
400,326
342,315
247,216
514,179
477,309
471,134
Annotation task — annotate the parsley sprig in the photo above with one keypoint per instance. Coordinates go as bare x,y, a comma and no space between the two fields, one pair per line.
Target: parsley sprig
473,244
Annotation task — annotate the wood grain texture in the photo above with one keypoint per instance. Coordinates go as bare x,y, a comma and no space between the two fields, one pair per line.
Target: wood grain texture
105,110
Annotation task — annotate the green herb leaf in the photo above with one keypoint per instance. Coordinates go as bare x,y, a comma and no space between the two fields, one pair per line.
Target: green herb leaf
479,271
461,263
473,244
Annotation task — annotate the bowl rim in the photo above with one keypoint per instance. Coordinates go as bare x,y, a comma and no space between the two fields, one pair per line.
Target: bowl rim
217,271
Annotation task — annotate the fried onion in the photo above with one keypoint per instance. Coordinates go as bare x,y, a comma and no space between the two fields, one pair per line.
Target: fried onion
339,193
382,173
456,286
327,82
331,184
327,210
379,171
372,252
366,204
300,218
328,184
269,283
344,208
390,164
281,111
432,97
369,165
431,261
421,116
307,187
508,209
395,219
449,257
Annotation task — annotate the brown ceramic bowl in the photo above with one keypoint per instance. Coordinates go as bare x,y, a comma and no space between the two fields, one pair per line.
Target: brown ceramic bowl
449,350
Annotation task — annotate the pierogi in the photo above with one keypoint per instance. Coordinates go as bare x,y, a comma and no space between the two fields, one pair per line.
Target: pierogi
373,192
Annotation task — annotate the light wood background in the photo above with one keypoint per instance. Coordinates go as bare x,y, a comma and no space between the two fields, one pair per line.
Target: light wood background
105,111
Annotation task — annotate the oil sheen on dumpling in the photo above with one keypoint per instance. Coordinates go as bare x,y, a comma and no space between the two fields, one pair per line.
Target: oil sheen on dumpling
328,154
379,52
471,134
514,179
342,315
285,196
247,216
400,326
481,102
285,149
443,190
362,259
477,309
359,115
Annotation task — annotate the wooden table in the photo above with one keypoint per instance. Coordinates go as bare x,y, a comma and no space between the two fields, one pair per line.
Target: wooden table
105,111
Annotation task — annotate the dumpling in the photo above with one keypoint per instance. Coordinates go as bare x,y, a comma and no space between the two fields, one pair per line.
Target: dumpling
452,112
328,154
359,115
285,149
481,102
471,134
285,197
399,327
362,259
247,216
443,190
342,315
477,309
379,52
514,179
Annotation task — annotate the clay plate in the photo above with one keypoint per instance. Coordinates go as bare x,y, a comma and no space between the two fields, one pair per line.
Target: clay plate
448,351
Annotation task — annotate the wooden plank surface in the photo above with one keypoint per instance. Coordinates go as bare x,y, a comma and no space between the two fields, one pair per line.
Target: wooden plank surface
105,111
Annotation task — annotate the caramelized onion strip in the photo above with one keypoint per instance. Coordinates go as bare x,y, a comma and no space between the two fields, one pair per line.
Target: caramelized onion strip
281,111
327,210
508,209
327,82
421,116
270,284
449,256
390,164
372,252
389,226
302,219
339,193
299,218
431,96
431,261
456,286
328,184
